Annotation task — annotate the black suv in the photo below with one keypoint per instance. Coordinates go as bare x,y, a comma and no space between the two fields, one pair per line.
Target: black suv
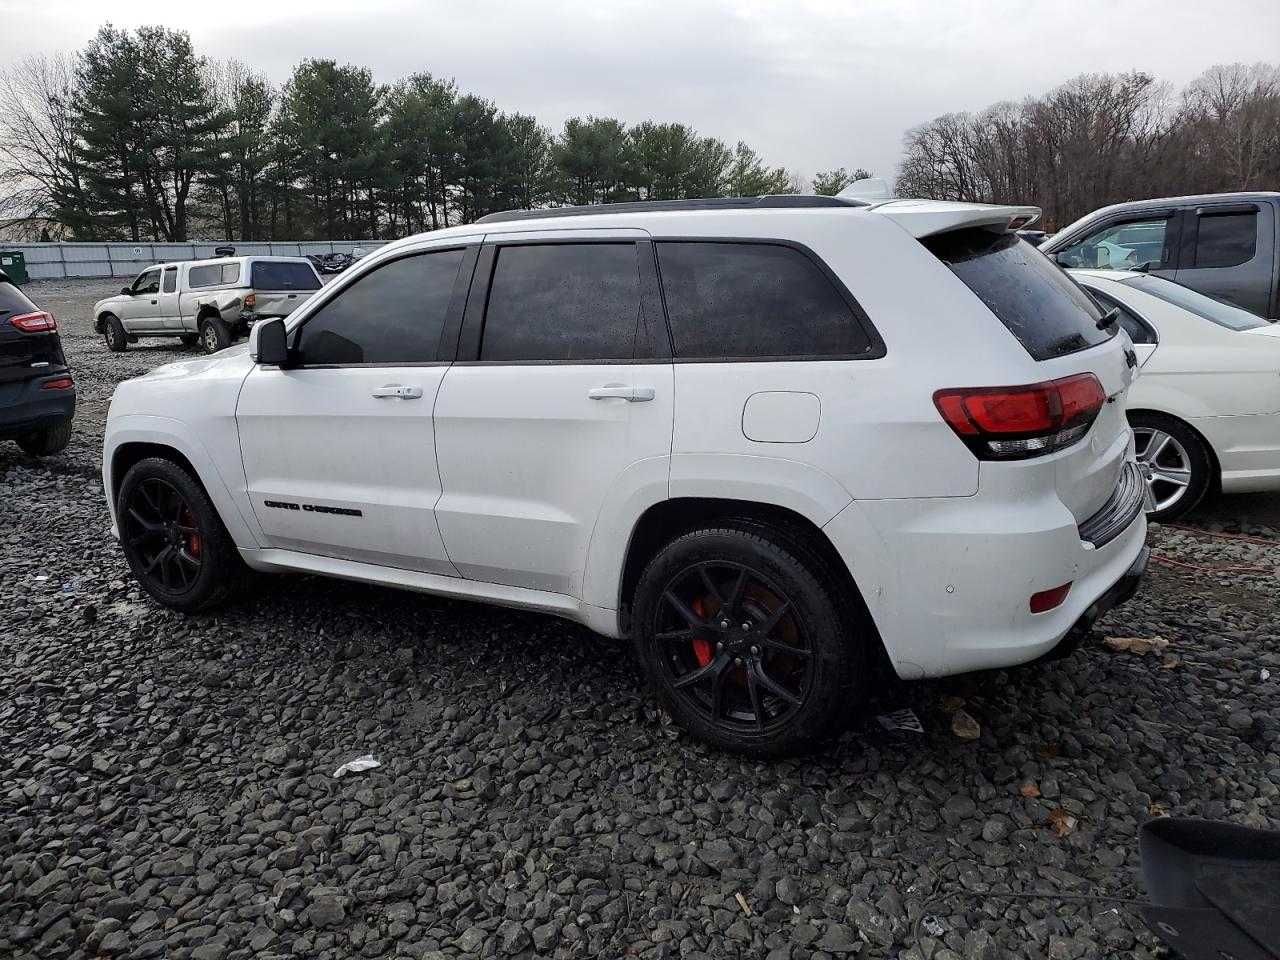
37,393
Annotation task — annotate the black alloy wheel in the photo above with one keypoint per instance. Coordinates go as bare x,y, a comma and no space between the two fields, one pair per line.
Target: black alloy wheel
158,525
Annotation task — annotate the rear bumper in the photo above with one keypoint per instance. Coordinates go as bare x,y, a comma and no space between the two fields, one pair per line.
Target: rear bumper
30,408
948,581
1120,592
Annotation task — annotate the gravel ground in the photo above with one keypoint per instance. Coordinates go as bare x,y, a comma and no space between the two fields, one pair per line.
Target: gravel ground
167,783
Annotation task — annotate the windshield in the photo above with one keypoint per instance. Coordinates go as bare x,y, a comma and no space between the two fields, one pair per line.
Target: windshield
1223,314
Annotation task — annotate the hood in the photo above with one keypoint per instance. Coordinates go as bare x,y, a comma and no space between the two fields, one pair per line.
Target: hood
199,366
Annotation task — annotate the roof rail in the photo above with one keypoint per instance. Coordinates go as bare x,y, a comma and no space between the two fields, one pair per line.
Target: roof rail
770,202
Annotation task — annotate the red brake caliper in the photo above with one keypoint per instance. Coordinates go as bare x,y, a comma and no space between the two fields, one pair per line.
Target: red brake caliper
703,650
193,539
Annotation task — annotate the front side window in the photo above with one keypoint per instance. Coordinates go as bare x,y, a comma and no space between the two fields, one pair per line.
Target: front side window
1226,239
148,281
1121,246
571,302
728,300
394,314
170,282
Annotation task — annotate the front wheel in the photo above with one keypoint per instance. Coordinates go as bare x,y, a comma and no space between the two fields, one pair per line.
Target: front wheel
1175,462
214,335
113,334
745,643
173,539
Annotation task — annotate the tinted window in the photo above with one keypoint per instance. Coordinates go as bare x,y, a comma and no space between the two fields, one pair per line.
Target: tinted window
206,276
1039,304
1133,325
282,275
170,282
392,315
1120,246
231,272
754,300
1226,240
1223,314
148,282
567,301
13,301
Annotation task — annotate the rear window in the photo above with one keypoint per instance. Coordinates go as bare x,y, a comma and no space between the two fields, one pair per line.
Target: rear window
1223,314
283,275
13,302
1226,239
1038,303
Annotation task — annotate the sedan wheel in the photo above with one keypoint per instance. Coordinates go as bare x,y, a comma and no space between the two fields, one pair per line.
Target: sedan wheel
1174,462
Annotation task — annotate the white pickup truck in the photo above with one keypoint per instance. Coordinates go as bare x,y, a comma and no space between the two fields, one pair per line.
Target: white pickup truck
210,302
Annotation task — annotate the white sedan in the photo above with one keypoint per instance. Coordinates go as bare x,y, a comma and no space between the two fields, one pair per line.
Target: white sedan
1205,410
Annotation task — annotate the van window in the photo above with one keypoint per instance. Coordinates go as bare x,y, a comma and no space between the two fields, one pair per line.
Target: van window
1039,304
728,300
393,314
283,275
575,302
1226,239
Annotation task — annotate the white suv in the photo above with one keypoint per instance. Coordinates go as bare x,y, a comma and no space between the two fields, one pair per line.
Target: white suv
779,443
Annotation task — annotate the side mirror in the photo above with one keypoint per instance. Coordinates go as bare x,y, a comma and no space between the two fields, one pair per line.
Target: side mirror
126,291
267,343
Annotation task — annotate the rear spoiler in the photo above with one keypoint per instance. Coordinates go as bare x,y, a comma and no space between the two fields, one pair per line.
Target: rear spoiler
923,218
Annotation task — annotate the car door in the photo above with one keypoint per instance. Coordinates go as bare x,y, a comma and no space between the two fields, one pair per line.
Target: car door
1228,252
338,449
168,305
140,313
561,401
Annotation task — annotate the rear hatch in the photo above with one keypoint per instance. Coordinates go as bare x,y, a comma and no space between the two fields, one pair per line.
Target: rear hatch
281,286
1053,319
24,355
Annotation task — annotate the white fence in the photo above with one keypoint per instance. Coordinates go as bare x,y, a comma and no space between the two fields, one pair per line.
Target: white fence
54,261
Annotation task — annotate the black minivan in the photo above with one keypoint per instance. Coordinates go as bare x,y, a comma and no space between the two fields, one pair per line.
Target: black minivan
37,392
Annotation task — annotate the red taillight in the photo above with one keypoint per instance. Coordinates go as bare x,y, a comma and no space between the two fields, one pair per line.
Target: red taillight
250,301
1046,600
1009,423
58,383
41,322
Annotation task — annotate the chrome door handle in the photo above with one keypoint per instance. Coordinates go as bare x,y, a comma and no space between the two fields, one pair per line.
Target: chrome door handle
621,392
397,391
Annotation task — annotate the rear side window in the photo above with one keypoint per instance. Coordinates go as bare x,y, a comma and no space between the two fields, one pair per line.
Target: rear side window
13,302
209,275
231,273
394,314
575,302
282,275
1039,304
754,301
1226,239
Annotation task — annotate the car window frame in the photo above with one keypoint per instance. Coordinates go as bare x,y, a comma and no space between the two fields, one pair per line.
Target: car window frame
651,330
1191,233
452,318
877,349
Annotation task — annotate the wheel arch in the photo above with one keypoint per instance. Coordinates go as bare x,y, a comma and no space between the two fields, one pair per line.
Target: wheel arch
1215,466
100,321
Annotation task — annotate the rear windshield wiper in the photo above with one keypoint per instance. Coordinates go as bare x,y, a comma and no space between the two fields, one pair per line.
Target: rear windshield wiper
1108,318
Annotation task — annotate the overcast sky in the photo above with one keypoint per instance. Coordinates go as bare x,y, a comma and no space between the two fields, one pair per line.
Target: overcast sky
810,84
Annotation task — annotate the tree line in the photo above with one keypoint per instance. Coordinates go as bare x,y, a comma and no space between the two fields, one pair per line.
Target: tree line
1104,138
138,137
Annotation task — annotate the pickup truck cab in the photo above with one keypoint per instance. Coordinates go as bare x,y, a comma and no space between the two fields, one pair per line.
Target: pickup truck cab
210,302
1223,245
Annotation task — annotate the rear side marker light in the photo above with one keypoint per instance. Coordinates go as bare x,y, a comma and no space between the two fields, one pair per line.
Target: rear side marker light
1046,600
1013,423
41,322
58,383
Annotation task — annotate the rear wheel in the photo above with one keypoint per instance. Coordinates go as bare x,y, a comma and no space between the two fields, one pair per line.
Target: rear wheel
1175,462
113,334
214,335
745,643
173,539
47,440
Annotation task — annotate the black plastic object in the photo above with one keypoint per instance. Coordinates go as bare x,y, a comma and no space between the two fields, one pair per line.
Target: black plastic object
1215,888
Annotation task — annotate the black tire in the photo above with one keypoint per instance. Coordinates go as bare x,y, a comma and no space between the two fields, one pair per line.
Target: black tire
47,440
799,640
163,509
190,339
113,333
214,335
1184,457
